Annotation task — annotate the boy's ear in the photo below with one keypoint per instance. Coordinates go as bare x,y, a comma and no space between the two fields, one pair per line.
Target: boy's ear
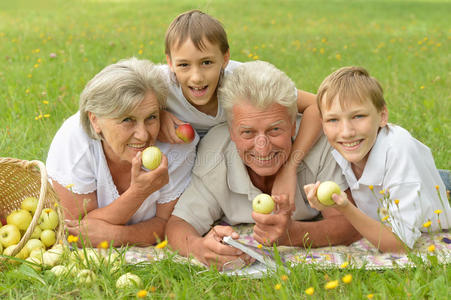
226,58
168,60
384,116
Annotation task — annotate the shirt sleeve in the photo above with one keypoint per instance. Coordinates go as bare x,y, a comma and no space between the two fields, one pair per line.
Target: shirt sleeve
198,206
70,161
180,163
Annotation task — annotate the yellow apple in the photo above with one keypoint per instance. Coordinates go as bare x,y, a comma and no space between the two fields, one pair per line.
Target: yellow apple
35,263
48,237
37,253
151,158
21,218
9,235
263,203
325,191
59,270
29,204
86,277
34,244
128,280
48,219
23,253
36,233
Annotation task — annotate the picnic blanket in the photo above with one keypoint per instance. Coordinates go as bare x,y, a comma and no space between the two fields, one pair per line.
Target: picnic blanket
361,254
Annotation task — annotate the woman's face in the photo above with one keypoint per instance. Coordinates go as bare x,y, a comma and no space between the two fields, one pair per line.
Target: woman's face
124,137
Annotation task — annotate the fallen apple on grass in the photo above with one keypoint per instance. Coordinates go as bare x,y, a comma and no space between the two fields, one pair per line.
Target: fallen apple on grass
263,203
325,191
128,280
185,132
151,157
86,276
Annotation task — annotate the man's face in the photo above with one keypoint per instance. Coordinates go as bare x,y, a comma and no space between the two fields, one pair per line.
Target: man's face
262,136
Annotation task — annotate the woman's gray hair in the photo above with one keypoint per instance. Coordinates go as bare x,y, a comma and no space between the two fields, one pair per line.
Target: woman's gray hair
116,90
258,83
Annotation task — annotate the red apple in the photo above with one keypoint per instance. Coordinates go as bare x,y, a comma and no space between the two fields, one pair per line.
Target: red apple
185,132
263,204
151,157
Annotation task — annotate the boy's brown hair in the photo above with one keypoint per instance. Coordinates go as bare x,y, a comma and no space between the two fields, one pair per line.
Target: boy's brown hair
350,83
196,26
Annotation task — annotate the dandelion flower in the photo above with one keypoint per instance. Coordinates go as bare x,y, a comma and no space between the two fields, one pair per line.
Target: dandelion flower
141,294
45,102
153,289
69,186
427,224
438,211
347,278
370,296
384,219
162,244
331,285
381,192
437,187
277,286
310,291
371,187
260,246
431,248
396,201
72,239
284,277
344,265
103,245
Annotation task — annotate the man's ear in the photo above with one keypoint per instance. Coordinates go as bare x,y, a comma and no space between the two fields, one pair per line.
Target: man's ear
384,116
169,61
94,122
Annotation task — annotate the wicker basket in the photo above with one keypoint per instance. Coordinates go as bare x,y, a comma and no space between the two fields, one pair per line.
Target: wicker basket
20,179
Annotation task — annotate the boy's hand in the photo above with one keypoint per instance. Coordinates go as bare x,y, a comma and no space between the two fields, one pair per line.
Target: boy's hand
168,124
285,183
273,228
311,189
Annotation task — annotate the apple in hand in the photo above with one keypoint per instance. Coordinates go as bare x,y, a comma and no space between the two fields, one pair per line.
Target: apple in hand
151,157
128,280
21,218
263,203
29,204
48,237
325,191
9,235
48,219
185,132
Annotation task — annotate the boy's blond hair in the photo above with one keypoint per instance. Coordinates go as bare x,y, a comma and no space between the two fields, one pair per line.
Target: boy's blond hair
350,84
197,26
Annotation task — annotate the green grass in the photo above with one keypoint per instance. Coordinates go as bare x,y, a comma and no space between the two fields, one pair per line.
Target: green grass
405,44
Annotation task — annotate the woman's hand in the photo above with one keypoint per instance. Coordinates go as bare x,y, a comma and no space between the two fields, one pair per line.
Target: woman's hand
168,124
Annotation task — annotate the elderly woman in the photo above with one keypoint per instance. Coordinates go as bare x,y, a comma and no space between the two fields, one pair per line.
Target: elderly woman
94,160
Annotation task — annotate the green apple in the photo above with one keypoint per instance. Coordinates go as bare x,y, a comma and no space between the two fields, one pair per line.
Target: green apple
59,270
1,248
325,191
23,253
21,218
50,258
128,280
35,263
34,244
263,203
48,219
37,253
48,237
36,233
29,204
151,158
86,277
9,235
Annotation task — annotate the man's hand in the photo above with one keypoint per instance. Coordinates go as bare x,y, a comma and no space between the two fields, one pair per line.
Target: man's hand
168,124
285,183
341,200
273,228
93,231
210,249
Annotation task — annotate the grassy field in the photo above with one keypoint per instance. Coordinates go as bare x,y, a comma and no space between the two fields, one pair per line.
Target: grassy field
50,49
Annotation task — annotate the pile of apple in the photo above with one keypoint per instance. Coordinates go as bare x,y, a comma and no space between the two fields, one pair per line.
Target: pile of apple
42,238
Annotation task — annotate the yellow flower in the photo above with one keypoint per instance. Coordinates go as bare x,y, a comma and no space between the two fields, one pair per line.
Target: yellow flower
103,245
422,87
141,294
370,296
437,187
284,277
152,289
277,286
344,265
47,116
72,239
331,285
260,246
162,244
69,186
347,278
384,219
338,56
427,224
255,57
438,211
45,102
382,192
396,201
431,248
371,187
310,291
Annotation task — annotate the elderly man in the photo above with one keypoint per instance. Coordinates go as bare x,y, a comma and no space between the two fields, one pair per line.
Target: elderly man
239,160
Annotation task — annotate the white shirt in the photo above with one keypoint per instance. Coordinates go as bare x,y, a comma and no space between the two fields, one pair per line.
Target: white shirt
404,167
180,107
75,158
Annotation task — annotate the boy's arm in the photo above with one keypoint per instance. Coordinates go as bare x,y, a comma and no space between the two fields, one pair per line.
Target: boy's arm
168,124
309,131
378,234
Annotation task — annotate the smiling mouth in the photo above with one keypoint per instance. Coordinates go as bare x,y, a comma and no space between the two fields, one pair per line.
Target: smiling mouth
198,91
264,158
137,146
353,144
